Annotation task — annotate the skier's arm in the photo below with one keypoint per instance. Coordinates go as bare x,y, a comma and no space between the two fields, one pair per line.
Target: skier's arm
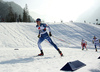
49,30
85,42
93,41
38,35
81,43
39,32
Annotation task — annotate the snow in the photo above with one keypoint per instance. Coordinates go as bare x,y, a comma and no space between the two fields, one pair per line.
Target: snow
23,36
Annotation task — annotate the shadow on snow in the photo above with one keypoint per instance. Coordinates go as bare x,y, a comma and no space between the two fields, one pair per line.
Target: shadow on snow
95,70
24,60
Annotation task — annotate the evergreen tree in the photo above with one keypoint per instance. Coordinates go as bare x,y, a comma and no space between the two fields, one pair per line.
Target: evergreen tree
26,17
20,20
10,16
15,17
29,19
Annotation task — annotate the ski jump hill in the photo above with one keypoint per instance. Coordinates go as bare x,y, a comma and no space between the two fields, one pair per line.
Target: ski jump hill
68,35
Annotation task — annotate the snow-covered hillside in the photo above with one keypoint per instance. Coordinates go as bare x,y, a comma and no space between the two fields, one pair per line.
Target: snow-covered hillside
17,35
67,36
24,35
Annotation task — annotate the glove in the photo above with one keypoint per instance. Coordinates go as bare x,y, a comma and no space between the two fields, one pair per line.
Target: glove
93,41
50,34
38,36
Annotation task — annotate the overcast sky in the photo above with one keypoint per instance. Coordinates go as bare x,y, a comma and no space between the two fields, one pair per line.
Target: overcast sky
56,10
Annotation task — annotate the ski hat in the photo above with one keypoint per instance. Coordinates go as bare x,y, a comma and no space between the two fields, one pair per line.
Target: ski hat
95,37
38,19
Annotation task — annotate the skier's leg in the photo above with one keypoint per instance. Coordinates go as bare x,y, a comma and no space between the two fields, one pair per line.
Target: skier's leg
99,45
55,46
95,48
60,52
85,47
41,54
39,45
51,42
82,47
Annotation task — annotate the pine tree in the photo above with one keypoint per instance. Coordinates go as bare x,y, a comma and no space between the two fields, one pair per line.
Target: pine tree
15,17
20,20
10,16
26,17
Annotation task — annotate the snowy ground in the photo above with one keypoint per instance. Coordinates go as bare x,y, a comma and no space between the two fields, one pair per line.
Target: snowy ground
23,36
23,61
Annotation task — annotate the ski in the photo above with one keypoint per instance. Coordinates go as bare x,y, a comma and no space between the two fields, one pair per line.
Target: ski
44,56
37,56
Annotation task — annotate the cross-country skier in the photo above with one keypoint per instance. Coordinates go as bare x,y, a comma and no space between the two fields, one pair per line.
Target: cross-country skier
83,44
95,42
44,35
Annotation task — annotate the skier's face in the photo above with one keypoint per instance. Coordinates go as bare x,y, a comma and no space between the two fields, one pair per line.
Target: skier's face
38,22
94,37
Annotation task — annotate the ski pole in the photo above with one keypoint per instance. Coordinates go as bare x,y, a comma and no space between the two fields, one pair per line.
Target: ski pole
61,40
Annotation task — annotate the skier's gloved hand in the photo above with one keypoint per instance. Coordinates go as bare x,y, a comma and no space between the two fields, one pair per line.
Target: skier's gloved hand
50,34
38,36
93,41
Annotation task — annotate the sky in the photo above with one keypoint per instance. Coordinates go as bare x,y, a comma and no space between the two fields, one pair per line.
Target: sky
56,10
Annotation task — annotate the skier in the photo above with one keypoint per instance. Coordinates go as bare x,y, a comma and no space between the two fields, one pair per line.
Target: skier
44,35
96,42
83,44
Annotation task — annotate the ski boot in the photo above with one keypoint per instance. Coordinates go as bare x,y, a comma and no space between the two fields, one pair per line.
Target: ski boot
41,54
82,48
60,52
